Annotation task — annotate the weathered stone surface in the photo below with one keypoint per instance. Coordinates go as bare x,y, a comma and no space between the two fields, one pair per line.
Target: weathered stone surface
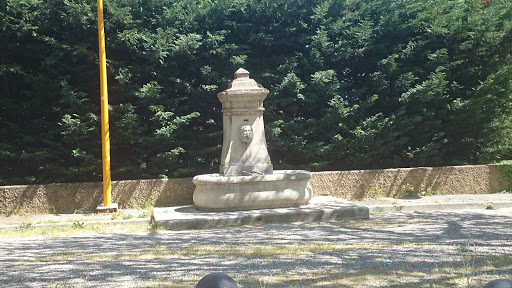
244,148
320,208
72,197
284,188
246,180
360,184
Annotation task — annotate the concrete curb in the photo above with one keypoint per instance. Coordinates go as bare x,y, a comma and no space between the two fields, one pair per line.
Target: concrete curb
439,206
121,221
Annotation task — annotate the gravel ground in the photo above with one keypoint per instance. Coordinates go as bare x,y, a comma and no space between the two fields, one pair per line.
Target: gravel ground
390,250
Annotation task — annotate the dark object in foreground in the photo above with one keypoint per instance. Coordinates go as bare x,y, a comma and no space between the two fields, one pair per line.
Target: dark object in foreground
499,283
216,280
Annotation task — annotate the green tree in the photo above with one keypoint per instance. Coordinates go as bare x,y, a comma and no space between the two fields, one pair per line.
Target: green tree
354,84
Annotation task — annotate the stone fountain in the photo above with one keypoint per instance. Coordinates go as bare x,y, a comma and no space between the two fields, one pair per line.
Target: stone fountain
246,179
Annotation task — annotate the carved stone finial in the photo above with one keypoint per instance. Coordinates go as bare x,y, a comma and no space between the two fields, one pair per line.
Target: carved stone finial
242,81
241,73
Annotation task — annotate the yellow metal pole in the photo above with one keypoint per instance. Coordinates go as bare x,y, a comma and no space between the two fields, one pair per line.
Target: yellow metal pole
105,136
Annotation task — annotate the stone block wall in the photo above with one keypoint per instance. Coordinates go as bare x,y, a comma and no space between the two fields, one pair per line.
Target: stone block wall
350,185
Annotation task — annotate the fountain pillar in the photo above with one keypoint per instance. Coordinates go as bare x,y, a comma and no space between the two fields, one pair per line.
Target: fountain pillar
244,148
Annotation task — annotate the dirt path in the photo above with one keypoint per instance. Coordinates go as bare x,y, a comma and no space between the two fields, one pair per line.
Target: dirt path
390,250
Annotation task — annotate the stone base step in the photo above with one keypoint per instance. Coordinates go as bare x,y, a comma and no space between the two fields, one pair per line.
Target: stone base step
320,208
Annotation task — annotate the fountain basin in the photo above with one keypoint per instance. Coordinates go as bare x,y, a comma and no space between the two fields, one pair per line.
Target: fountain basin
283,188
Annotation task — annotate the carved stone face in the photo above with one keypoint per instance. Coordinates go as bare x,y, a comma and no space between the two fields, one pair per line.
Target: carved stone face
246,135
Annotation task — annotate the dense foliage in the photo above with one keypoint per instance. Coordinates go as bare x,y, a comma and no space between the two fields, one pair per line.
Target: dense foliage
355,84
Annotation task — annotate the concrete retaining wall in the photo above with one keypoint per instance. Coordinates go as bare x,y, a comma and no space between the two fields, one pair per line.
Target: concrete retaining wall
79,197
351,185
360,184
